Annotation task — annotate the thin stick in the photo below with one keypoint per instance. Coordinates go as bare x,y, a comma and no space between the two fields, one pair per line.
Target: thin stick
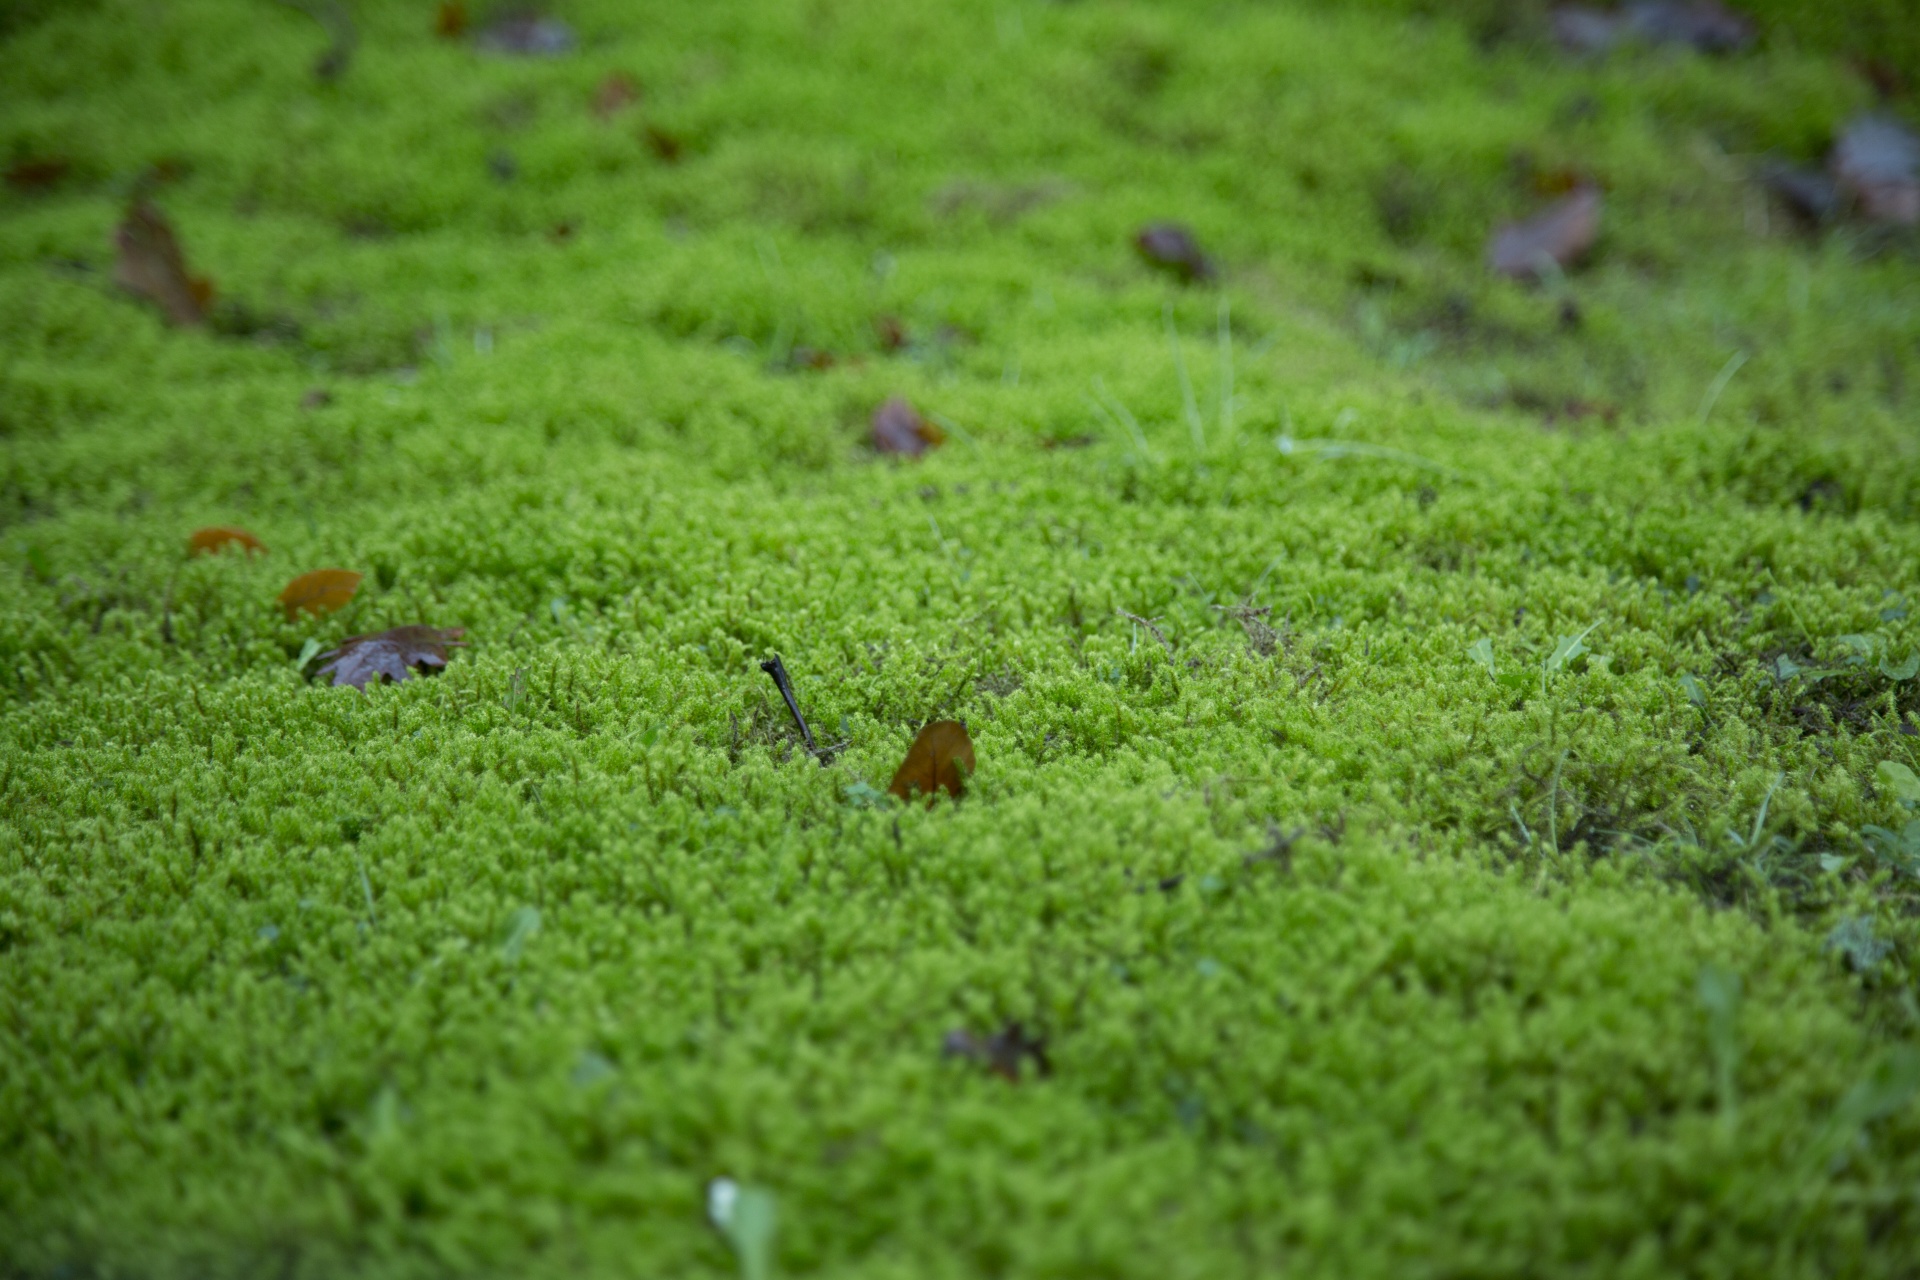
778,670
1158,634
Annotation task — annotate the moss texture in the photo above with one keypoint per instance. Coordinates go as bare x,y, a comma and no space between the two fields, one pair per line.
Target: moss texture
1411,937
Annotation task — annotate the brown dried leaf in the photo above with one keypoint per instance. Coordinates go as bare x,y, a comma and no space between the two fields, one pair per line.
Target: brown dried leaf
1876,161
322,591
666,147
940,759
1172,248
150,265
899,428
616,93
450,20
390,654
1560,235
37,173
1001,1052
207,541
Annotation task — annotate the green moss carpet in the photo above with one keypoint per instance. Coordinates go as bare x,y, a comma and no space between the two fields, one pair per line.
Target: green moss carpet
1529,891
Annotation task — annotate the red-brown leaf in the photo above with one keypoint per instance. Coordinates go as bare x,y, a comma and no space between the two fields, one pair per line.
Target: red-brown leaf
940,759
899,428
37,174
1560,235
150,264
321,591
1172,248
205,542
390,654
450,19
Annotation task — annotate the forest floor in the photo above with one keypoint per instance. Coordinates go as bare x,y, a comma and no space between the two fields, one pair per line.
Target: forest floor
1445,744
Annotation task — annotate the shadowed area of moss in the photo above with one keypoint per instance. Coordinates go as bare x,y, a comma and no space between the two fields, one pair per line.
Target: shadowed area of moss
1528,890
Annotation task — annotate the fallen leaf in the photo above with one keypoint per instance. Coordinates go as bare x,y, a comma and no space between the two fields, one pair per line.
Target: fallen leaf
616,93
322,591
1557,237
37,173
1172,248
450,20
940,759
316,398
390,654
1876,161
899,428
1002,1052
891,332
528,35
150,265
665,146
213,538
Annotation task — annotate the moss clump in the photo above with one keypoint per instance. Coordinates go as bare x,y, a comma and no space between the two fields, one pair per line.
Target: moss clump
1523,891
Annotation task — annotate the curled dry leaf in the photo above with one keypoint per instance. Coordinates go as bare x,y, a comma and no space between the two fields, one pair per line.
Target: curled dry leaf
213,538
149,264
1876,161
1172,248
940,759
322,591
528,35
1001,1052
616,93
1556,237
390,654
899,428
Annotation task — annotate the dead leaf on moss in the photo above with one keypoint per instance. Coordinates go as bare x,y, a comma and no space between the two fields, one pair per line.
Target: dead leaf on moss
1002,1052
891,332
37,173
899,429
214,538
1172,248
940,759
616,93
150,264
450,20
1876,161
1554,239
322,591
390,654
666,147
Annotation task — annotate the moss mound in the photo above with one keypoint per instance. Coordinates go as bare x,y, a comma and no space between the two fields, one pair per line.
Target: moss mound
1445,748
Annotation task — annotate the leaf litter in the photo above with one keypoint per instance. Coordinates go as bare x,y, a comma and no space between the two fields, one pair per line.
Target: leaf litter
321,591
214,538
149,264
899,429
1553,240
940,759
391,654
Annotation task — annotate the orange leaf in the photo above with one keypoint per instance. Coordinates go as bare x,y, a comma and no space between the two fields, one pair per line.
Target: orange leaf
321,591
205,542
150,265
940,759
450,19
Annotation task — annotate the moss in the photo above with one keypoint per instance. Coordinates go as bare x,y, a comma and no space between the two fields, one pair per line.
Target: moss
1354,952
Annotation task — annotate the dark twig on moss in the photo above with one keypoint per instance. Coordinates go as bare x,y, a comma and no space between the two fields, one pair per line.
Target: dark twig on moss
778,670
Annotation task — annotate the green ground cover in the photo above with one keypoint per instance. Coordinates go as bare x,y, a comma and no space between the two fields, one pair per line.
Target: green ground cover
1417,938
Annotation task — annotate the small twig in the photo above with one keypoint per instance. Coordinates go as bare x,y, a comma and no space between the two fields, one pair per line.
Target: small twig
778,670
1158,634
